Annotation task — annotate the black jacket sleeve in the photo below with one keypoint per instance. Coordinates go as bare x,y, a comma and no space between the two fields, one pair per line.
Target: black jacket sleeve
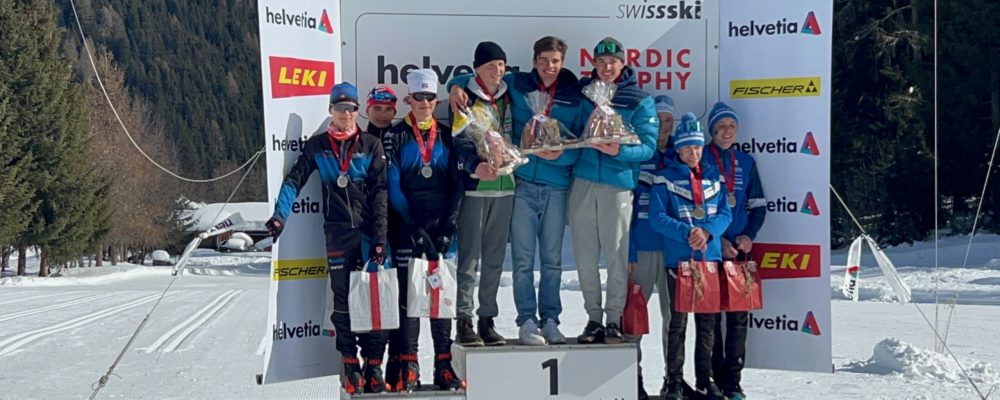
378,193
456,192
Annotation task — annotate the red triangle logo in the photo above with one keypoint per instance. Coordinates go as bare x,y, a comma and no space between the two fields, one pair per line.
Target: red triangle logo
809,205
811,25
810,326
324,23
809,145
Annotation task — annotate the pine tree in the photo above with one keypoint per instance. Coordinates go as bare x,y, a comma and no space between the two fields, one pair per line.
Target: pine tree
16,197
47,113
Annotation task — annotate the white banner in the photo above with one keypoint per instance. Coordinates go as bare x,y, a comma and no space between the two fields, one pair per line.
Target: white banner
672,43
300,63
775,72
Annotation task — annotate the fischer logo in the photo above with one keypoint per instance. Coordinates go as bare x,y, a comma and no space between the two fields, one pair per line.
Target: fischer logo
783,205
294,77
393,74
806,86
290,270
281,331
672,10
303,20
808,325
787,261
781,146
780,27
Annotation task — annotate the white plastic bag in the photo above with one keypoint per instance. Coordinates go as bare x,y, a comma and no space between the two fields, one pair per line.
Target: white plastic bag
373,299
432,289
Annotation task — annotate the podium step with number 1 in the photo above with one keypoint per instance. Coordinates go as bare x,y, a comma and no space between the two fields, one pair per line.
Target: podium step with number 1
567,371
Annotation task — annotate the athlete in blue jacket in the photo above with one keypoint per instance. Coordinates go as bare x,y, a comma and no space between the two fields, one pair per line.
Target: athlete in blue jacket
352,172
600,201
746,196
539,214
688,207
425,192
645,246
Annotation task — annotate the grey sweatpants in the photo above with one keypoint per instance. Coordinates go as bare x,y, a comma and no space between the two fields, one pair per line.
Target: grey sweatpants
599,217
650,271
483,227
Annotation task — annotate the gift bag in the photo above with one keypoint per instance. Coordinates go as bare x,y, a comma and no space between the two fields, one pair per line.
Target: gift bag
740,284
605,125
373,298
432,289
491,146
542,132
697,287
635,318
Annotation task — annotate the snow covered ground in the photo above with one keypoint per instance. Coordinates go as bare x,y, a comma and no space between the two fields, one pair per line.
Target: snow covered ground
59,335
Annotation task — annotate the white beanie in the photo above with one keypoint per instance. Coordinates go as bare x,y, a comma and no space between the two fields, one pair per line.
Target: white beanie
422,80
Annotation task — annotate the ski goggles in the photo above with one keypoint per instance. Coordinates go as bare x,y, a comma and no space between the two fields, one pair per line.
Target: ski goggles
381,96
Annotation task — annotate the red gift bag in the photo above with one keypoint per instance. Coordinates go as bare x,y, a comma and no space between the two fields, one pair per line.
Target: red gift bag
635,318
697,287
741,289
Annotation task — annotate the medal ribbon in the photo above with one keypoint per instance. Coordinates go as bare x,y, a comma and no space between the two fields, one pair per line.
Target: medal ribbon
426,149
697,192
493,100
552,95
731,174
343,160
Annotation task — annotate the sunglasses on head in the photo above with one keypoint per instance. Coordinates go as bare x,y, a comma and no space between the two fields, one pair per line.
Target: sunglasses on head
345,107
422,96
381,96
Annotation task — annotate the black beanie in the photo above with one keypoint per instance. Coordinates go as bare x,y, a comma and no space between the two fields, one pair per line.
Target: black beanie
610,46
486,52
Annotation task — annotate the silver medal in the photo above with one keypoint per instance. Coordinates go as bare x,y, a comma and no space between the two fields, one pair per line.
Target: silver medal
342,181
426,171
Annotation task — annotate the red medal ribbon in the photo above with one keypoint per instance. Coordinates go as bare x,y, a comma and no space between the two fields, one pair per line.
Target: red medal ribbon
731,174
493,100
426,151
343,160
697,192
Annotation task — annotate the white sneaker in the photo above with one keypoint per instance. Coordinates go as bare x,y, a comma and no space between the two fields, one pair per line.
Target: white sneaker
529,334
551,332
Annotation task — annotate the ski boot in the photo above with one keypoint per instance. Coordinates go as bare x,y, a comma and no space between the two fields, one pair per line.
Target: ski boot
351,379
392,372
444,375
374,382
408,379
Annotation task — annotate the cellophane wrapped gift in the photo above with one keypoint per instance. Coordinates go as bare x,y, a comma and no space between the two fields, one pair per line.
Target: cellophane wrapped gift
605,125
542,132
492,146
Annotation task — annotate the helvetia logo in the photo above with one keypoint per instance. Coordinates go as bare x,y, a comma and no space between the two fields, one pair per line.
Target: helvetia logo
303,20
808,325
281,331
783,205
780,27
682,9
781,146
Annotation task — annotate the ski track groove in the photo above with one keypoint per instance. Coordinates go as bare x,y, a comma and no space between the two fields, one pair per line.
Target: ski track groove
56,306
166,336
15,342
204,319
7,301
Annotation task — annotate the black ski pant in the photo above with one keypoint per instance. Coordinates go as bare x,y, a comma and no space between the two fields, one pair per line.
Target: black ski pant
403,342
730,348
345,253
704,338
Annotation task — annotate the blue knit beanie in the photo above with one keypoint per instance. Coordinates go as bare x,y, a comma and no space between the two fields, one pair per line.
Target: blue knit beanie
719,111
688,132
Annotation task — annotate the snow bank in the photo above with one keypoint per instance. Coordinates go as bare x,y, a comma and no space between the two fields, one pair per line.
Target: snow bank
892,356
87,276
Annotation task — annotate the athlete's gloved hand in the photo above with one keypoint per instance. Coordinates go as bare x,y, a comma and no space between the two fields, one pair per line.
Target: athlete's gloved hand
378,253
443,244
274,226
423,243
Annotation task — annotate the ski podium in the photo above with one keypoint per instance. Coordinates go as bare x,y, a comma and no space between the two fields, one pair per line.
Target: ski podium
515,371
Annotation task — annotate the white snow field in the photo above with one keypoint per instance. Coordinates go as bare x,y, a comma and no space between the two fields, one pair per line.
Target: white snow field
59,335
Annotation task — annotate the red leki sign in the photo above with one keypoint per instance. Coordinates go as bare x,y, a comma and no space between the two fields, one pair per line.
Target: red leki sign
293,77
783,261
